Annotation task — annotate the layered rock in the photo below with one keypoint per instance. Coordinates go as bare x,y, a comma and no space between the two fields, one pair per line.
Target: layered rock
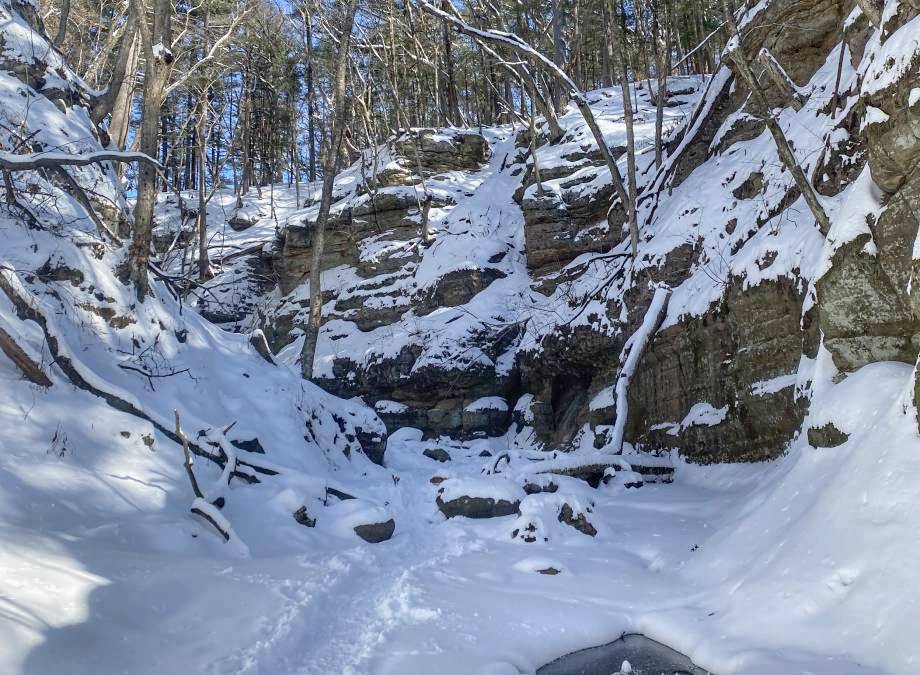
868,311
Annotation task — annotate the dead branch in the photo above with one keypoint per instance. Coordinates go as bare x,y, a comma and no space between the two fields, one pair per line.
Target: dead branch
19,356
188,458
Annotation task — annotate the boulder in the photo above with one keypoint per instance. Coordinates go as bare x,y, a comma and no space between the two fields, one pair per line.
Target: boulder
374,533
578,520
479,497
437,454
478,507
826,436
303,517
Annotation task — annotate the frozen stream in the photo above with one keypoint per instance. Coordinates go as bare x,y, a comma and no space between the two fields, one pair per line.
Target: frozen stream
645,657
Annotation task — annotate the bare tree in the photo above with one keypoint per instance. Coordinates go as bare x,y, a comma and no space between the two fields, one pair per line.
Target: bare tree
330,166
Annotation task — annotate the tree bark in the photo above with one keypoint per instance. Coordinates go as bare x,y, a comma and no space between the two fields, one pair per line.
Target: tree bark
450,85
204,265
123,72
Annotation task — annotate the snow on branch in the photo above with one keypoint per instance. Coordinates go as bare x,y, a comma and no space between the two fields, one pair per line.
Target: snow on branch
636,345
48,160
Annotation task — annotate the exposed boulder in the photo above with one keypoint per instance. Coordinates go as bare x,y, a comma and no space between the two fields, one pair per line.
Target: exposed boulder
374,533
578,520
437,454
479,498
477,507
438,150
303,517
826,436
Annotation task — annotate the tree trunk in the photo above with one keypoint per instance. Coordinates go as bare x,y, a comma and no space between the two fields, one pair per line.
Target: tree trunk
661,70
629,205
559,92
330,162
156,68
450,84
62,23
204,265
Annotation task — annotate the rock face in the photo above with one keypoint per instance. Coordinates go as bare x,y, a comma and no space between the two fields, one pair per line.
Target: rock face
438,152
753,336
558,231
867,311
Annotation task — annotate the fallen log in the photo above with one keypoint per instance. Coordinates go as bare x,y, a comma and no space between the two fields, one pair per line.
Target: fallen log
24,362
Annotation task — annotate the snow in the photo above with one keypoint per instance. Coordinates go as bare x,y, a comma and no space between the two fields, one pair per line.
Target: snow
773,385
603,399
704,414
487,403
891,60
391,407
523,408
494,487
874,116
341,518
913,97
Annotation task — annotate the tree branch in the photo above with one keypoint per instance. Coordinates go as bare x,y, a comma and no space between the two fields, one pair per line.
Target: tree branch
47,160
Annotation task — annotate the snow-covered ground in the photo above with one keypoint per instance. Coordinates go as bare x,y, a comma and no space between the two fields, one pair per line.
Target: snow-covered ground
787,567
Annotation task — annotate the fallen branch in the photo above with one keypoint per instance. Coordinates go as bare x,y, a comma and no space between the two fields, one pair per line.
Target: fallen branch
188,459
591,468
19,356
210,513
